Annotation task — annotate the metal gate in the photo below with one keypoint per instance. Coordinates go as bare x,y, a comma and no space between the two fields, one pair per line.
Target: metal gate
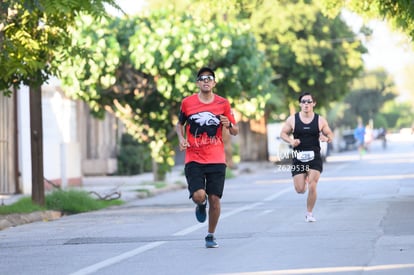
7,143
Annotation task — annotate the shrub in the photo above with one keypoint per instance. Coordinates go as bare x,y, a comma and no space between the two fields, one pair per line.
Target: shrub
134,158
68,202
76,201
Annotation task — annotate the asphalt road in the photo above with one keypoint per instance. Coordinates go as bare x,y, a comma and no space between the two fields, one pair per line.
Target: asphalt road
365,226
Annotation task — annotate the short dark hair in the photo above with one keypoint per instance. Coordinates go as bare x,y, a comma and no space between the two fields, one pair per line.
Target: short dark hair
206,69
305,93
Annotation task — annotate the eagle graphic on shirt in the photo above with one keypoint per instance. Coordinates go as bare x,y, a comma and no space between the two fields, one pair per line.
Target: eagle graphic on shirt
204,122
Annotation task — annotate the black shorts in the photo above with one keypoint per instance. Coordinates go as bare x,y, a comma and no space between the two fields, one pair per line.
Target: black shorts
209,177
299,167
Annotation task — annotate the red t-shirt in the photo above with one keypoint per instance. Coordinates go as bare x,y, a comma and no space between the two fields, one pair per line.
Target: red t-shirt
203,128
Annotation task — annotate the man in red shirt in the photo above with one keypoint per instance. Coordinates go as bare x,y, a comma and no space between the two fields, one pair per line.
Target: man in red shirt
202,119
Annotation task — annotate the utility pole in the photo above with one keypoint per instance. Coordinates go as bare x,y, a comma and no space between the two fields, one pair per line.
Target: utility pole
36,136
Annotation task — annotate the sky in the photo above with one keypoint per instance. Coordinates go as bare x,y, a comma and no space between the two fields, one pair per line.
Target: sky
387,49
129,6
391,51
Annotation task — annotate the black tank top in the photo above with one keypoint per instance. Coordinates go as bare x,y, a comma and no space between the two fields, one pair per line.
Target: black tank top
308,134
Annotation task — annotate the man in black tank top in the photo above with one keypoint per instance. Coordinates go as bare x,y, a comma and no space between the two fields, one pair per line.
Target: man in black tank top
303,131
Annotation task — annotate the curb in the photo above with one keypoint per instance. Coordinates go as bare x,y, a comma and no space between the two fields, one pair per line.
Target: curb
153,192
12,220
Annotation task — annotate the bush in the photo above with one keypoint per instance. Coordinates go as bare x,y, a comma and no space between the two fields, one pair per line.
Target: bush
68,202
134,158
380,121
76,201
23,205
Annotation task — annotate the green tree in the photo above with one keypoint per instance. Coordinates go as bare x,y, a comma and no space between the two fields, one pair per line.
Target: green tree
145,65
400,13
369,93
398,114
32,35
307,50
134,158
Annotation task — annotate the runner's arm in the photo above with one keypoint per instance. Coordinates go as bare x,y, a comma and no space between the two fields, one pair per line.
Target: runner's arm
285,133
327,134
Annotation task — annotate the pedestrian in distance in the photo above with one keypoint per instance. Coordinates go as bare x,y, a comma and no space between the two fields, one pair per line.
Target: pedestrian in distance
202,119
359,135
369,137
382,135
303,131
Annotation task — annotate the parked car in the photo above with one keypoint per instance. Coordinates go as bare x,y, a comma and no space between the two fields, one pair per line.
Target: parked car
347,141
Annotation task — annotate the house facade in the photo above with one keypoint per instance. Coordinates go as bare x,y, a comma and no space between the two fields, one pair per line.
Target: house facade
8,146
75,144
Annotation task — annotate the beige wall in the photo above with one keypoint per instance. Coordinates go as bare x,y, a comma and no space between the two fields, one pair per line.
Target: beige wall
8,178
75,144
99,140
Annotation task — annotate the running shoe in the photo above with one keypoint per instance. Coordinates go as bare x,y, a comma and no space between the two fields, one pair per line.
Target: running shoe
310,218
200,212
211,241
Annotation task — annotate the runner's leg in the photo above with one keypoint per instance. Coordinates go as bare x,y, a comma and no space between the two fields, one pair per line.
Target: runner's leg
299,181
313,176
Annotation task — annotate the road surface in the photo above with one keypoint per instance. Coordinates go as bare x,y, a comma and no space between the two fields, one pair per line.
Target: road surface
365,225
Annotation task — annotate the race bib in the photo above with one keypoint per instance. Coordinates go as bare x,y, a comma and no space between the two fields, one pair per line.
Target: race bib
305,156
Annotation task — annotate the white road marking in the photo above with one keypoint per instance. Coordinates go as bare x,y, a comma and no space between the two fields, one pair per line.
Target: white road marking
265,212
94,268
329,270
114,260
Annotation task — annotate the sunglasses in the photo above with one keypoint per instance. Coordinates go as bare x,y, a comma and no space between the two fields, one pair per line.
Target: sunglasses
306,101
205,77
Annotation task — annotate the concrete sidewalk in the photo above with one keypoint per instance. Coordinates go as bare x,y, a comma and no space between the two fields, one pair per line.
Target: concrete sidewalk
134,187
129,187
126,188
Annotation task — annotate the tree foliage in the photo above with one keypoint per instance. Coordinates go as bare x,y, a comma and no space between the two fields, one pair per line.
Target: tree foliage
369,94
141,67
33,34
400,13
308,51
398,114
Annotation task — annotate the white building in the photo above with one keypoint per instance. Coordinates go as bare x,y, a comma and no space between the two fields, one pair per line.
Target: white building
75,144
